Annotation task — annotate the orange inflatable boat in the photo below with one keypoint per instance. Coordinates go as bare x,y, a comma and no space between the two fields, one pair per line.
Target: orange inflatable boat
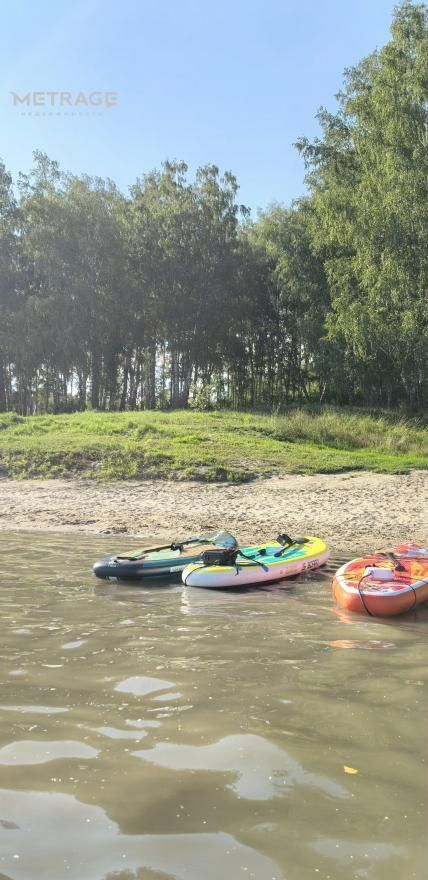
385,583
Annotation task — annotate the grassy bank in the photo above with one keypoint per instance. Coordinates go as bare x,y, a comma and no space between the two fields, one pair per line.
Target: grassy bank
207,446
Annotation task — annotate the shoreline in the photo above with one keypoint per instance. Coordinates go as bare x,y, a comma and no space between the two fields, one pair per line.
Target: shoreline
352,511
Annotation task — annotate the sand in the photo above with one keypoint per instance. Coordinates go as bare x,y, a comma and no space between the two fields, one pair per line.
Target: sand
351,511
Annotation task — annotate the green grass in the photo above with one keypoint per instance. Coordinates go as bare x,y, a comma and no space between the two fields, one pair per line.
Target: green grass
213,446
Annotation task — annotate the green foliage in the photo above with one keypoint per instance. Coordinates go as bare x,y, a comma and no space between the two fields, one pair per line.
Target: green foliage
297,302
368,177
214,446
170,297
203,396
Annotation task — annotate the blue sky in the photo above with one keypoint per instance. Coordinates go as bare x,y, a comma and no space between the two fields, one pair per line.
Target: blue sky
233,82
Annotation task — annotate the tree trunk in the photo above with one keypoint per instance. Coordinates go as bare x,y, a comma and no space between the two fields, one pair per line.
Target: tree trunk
175,383
3,393
95,379
150,401
124,394
83,378
111,382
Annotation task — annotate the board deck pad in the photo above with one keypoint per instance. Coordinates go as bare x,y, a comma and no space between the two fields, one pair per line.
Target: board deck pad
384,583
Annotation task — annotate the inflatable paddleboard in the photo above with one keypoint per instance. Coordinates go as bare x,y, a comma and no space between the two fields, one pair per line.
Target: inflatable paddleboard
385,583
155,562
259,564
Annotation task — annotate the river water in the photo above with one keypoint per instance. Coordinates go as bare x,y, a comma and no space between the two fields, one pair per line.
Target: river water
167,732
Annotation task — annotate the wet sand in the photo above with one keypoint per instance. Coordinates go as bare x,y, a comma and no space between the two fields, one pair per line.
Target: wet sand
352,511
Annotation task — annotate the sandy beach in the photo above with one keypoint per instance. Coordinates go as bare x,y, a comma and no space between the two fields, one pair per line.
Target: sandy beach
351,511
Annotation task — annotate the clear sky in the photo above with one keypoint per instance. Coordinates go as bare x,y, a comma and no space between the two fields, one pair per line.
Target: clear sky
233,82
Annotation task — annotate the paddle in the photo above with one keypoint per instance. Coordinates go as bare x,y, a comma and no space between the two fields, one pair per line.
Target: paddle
222,538
176,545
394,559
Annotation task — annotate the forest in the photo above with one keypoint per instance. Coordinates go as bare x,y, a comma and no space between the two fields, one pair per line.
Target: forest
173,296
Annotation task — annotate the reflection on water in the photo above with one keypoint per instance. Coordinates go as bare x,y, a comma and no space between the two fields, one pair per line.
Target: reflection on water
56,835
35,752
363,644
163,732
114,733
142,684
34,710
262,770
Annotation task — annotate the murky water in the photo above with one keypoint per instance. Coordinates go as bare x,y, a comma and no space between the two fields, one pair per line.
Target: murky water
179,733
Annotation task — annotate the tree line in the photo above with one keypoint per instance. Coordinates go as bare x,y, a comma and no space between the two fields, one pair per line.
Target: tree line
172,296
